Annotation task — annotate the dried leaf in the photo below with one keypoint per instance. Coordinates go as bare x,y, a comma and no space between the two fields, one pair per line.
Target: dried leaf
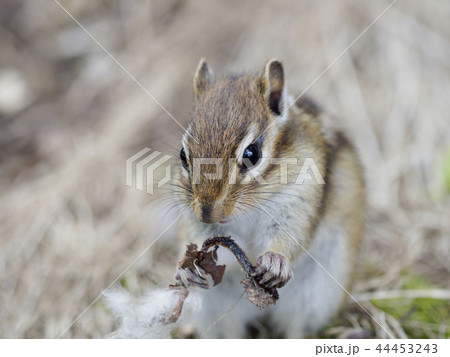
203,259
206,260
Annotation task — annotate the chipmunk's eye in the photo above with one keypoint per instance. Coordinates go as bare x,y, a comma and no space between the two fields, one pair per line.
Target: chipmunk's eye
251,156
184,159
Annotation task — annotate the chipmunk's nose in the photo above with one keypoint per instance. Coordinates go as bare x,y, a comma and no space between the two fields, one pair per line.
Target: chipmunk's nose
207,213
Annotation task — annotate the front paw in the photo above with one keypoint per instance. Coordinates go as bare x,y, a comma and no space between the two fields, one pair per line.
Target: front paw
273,270
194,277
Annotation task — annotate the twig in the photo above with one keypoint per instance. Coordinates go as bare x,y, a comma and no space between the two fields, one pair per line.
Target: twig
257,294
229,243
405,294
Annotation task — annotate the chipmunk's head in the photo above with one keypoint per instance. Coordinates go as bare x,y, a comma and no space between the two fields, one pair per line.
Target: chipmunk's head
235,129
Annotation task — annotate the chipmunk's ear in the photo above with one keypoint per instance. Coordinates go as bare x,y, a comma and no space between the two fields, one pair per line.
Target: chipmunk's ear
274,88
203,77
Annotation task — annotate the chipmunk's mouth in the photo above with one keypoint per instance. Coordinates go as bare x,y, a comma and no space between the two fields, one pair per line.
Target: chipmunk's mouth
225,221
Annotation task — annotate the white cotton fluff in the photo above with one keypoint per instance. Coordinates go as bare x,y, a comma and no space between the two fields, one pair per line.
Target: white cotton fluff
140,317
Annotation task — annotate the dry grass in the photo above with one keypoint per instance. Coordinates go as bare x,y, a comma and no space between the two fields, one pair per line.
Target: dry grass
70,117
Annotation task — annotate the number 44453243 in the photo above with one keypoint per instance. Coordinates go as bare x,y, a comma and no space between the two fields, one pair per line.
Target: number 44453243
407,348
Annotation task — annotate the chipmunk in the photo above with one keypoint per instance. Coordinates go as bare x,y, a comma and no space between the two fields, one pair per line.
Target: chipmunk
301,226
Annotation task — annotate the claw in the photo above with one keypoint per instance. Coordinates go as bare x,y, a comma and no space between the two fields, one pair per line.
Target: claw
273,270
200,271
195,277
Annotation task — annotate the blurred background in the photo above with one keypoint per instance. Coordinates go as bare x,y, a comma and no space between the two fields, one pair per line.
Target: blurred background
70,117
